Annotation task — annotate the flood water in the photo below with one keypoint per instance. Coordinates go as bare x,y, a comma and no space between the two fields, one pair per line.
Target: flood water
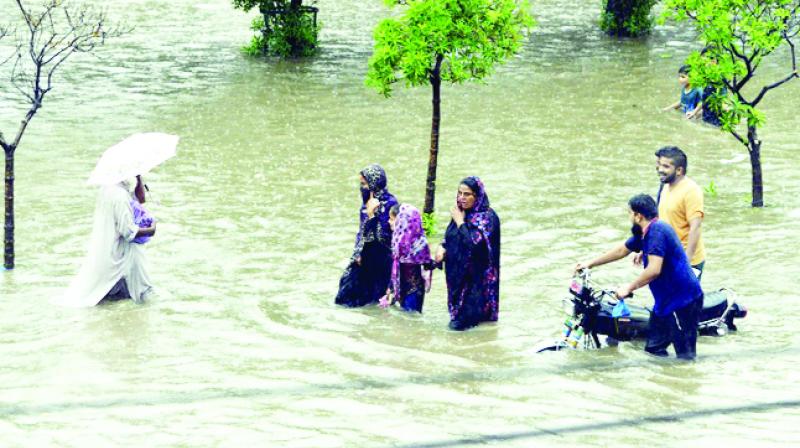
257,216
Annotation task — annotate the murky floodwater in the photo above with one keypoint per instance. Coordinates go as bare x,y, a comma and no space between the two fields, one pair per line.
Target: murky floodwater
243,344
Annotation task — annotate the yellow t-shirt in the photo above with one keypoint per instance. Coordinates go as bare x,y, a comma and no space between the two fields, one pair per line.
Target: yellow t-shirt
680,205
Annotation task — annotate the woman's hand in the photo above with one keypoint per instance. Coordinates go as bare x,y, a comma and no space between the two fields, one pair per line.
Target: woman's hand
458,215
147,231
139,190
372,205
440,253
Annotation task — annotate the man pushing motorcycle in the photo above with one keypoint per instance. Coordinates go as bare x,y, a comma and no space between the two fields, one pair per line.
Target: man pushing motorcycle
675,288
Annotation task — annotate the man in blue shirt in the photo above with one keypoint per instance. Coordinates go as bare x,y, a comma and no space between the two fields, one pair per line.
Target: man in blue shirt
676,290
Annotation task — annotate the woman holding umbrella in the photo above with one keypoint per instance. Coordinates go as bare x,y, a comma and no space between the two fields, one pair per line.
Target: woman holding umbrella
114,267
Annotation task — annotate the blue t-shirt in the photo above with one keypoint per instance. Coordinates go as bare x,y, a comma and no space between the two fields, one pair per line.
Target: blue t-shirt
676,286
690,99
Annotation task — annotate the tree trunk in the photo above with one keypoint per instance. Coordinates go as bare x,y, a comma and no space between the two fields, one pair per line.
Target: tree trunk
8,234
754,147
293,26
430,183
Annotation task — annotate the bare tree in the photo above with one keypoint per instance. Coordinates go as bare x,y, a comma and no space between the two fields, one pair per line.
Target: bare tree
5,31
50,35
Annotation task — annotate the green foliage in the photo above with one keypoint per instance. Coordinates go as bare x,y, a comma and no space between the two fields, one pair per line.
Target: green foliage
290,34
738,35
470,35
247,5
294,36
630,18
429,223
258,44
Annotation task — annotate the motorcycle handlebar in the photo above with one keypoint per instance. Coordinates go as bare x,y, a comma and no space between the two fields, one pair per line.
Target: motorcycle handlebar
614,294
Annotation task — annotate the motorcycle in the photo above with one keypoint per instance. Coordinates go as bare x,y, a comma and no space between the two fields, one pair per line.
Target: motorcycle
592,314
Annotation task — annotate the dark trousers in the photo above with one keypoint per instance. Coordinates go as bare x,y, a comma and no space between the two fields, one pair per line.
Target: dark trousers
678,328
118,292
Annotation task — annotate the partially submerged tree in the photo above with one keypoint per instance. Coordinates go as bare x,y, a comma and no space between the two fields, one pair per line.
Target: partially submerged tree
738,36
52,34
627,18
286,28
450,40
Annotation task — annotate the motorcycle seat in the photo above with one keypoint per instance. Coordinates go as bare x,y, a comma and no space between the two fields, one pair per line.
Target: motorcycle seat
715,298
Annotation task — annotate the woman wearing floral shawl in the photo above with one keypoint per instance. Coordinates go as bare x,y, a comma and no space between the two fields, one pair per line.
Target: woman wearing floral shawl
410,252
367,276
471,255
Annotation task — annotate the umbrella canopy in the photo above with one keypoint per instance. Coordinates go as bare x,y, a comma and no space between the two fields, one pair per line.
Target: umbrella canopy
137,154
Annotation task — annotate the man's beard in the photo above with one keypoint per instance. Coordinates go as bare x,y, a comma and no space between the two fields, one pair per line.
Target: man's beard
637,231
669,179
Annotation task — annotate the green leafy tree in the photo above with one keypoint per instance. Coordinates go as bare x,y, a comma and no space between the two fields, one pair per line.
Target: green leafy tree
738,35
286,28
450,40
51,35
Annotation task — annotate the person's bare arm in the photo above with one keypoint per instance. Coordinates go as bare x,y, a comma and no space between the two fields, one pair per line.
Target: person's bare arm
146,231
614,254
672,106
696,112
694,236
139,190
651,272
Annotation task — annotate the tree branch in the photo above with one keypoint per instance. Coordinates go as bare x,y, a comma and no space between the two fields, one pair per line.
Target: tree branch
773,85
17,76
738,137
787,78
747,61
6,32
24,125
55,34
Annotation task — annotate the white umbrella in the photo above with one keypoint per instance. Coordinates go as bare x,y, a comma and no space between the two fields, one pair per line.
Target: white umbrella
137,154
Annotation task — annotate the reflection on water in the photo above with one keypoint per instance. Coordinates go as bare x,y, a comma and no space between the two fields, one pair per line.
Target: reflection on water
257,218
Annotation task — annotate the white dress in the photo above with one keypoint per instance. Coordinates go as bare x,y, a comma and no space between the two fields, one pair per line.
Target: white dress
112,254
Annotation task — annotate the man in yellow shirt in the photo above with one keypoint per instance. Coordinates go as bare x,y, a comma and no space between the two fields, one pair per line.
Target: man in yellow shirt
680,203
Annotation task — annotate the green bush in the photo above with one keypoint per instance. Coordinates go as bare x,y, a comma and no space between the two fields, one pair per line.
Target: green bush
294,36
629,18
289,33
258,44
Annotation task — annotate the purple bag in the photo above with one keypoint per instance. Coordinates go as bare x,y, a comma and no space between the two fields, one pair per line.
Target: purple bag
141,218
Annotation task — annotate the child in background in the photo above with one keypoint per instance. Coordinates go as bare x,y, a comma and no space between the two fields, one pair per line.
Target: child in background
410,253
691,102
